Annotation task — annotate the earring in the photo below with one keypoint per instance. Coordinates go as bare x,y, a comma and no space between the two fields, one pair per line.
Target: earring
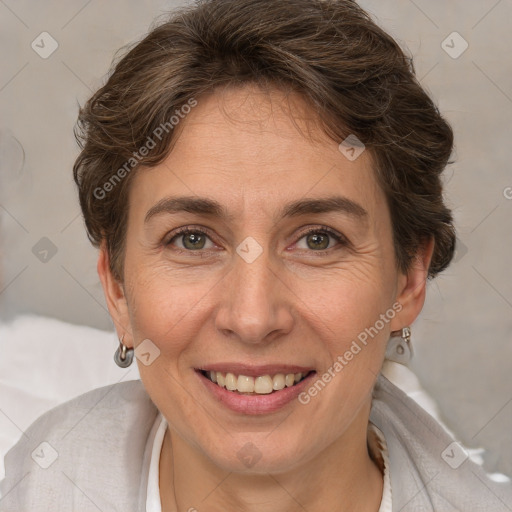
124,355
399,347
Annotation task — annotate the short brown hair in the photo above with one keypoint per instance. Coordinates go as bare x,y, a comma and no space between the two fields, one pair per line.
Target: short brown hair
352,73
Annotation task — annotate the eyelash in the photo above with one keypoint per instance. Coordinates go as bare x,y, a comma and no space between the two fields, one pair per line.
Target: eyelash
321,229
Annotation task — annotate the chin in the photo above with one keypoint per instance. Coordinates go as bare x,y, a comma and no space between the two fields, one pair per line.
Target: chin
257,455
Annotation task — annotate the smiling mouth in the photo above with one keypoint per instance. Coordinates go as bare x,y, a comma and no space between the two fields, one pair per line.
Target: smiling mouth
260,385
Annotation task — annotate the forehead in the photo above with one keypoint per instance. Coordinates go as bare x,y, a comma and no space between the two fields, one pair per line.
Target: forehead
255,149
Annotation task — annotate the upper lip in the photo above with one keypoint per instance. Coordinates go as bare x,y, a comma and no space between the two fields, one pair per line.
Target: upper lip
255,371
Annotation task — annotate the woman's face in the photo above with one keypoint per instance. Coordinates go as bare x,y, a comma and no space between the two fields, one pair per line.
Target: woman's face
253,292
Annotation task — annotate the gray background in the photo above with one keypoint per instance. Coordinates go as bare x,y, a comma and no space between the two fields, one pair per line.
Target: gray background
462,340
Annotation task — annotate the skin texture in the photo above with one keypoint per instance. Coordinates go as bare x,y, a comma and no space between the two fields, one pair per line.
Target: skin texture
291,305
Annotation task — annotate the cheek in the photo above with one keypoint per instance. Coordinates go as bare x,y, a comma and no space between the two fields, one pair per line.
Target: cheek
352,318
353,332
167,315
161,310
345,302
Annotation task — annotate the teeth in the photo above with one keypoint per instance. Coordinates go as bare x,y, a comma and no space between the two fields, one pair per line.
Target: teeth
231,382
245,384
262,385
278,382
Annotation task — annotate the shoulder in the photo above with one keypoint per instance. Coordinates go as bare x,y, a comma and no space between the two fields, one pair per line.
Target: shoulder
97,410
429,469
79,449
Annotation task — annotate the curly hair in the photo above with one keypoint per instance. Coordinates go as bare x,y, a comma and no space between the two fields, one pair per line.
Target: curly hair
350,71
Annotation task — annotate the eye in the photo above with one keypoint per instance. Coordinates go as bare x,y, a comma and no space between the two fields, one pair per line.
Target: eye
192,239
318,239
195,239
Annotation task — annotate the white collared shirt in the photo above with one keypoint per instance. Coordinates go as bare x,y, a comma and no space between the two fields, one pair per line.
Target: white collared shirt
153,503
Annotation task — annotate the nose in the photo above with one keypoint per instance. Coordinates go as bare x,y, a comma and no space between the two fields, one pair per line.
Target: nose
255,305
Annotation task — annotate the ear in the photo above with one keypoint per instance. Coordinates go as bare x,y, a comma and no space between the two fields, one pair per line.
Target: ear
115,297
412,287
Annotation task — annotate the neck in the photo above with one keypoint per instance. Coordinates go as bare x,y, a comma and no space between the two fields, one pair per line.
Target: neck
342,477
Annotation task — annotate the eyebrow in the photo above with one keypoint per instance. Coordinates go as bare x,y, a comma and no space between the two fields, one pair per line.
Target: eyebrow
211,208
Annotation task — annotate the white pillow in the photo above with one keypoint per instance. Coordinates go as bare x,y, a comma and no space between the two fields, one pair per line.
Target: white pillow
44,362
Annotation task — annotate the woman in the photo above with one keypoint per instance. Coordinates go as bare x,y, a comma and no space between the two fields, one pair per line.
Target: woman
263,182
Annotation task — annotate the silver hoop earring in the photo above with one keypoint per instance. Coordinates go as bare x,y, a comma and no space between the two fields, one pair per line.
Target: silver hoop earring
123,355
399,347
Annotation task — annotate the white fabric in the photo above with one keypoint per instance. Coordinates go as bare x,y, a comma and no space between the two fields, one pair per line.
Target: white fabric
45,362
407,381
153,501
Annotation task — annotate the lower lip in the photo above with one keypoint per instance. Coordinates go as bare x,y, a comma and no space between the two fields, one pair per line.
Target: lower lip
255,404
